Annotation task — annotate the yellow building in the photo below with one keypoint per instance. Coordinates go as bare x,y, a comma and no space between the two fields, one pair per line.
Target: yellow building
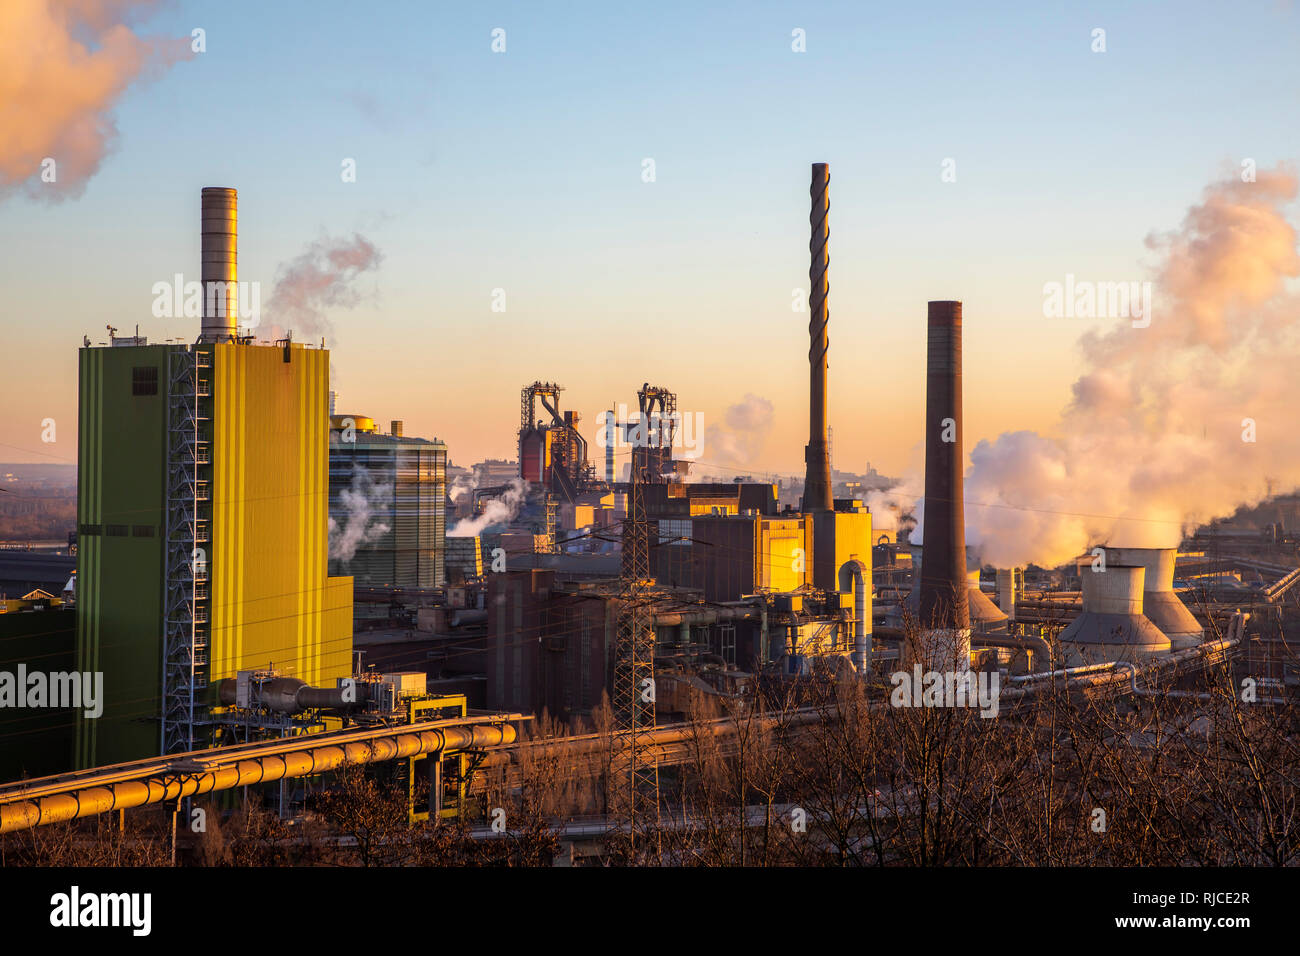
203,534
272,602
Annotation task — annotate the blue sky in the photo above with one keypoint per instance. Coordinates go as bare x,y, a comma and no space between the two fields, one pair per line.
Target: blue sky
522,171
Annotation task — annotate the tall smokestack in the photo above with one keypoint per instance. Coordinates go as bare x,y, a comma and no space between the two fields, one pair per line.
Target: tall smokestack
942,604
817,479
610,419
220,271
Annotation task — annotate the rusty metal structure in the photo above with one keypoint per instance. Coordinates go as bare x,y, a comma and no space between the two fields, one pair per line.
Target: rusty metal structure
653,455
552,454
817,479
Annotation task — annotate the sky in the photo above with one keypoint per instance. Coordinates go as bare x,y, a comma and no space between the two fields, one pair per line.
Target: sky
525,171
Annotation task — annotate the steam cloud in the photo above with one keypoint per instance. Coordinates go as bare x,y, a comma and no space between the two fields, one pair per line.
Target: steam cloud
362,500
500,510
461,486
888,506
66,64
740,439
322,276
1156,439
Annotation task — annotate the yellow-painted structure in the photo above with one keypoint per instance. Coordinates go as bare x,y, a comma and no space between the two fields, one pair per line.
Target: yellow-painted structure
272,603
840,537
782,561
444,774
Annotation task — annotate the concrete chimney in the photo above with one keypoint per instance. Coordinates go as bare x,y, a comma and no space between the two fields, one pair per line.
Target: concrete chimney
942,608
395,427
220,267
943,567
817,479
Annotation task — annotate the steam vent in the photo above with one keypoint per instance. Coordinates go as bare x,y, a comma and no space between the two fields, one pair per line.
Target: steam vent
1112,626
1160,604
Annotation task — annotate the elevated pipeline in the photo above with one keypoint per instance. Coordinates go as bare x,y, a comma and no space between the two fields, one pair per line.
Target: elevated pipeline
36,803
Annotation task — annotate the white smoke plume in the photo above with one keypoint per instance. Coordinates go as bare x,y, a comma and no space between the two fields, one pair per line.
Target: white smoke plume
363,500
322,276
66,65
888,506
739,440
500,510
1170,425
462,485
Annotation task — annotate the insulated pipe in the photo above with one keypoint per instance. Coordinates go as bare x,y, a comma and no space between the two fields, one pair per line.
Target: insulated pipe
1027,642
219,250
678,618
853,577
468,615
189,778
289,695
1209,651
817,477
1020,642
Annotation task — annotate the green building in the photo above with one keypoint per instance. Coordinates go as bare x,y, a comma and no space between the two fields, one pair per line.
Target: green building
202,534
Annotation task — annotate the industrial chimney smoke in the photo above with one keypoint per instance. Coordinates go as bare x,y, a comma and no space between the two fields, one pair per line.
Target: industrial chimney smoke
942,608
817,479
220,269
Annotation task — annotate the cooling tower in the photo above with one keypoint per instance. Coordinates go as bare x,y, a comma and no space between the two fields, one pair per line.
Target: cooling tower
1162,605
985,616
220,264
1111,626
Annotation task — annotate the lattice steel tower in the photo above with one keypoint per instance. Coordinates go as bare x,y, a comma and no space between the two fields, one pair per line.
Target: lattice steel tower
185,626
634,696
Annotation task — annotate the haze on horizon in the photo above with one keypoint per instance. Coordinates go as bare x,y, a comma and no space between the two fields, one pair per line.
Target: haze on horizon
975,155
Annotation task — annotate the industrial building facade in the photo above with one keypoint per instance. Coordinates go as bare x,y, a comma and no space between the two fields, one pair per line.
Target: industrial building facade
256,591
404,481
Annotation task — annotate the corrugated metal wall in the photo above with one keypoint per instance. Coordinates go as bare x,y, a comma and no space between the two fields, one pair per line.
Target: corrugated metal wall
120,517
272,602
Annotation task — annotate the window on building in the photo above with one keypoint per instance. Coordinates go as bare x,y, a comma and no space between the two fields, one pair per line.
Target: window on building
726,642
144,380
